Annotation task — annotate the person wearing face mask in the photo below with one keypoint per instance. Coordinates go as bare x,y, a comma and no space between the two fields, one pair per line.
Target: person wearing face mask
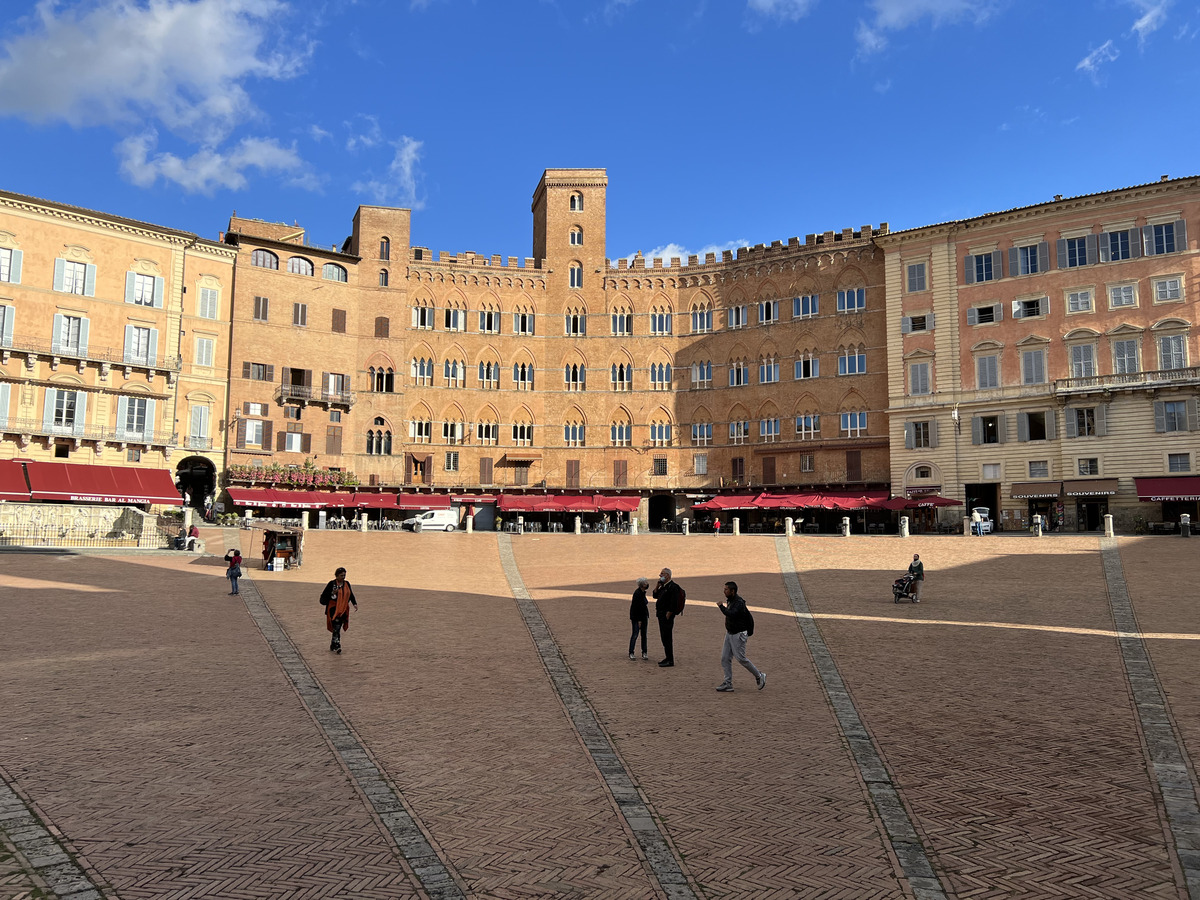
668,603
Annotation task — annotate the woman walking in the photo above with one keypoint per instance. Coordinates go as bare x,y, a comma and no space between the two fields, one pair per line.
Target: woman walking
234,572
639,616
337,598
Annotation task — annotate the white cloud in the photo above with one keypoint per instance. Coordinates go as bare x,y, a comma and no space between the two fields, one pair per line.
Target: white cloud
896,15
1153,16
667,251
1090,64
108,62
784,10
370,135
317,133
399,186
209,169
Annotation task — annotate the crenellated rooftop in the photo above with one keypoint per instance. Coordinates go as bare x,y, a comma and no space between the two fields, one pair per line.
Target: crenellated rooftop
425,256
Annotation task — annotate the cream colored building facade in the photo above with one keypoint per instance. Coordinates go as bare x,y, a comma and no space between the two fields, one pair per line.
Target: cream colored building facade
115,341
1043,360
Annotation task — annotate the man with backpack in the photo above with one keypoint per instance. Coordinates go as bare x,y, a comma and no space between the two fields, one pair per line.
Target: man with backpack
669,598
739,626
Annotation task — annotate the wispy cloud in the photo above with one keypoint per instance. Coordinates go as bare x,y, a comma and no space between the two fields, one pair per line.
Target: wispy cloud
179,65
782,10
364,132
1090,65
896,15
399,185
1153,17
317,133
209,169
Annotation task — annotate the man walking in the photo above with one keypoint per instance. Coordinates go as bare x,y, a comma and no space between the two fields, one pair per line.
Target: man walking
739,626
337,598
916,569
668,603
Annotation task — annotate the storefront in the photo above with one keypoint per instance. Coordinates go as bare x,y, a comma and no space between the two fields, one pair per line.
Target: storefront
1090,496
1177,496
1042,498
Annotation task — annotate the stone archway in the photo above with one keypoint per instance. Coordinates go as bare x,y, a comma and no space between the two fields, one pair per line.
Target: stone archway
197,476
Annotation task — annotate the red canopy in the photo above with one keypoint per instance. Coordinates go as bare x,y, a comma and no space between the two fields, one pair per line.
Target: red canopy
362,500
528,503
76,482
617,504
1181,487
729,501
786,501
12,481
894,503
422,501
932,500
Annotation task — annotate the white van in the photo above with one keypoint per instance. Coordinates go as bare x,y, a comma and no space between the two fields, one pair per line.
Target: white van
434,520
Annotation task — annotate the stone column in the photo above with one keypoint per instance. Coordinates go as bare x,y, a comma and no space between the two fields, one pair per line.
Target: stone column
904,526
789,526
737,526
1108,525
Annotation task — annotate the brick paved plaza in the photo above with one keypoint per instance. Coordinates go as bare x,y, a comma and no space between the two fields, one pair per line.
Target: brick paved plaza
483,734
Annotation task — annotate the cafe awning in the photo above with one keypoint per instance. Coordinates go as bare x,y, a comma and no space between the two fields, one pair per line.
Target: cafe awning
1090,487
421,501
527,503
1154,490
617,504
12,480
1036,490
81,483
785,501
729,501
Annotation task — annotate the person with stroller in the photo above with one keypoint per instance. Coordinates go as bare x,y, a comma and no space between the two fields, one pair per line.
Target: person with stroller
916,569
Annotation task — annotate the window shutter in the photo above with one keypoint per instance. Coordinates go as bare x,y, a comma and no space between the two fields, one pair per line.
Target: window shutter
1051,426
428,474
1002,428
930,322
89,281
129,330
5,396
280,440
976,430
241,434
485,470
1135,242
59,273
48,409
152,350
339,321
1070,423
308,378
6,337
1016,310
972,316
14,269
408,467
1060,247
150,420
245,370
1043,306
1043,256
998,264
285,375
1014,265
266,440
270,373
1160,416
1022,426
130,282
933,436
56,333
84,327
158,293
905,325
909,436
1102,419
1193,418
1105,247
1181,235
122,415
1147,239
80,412
1090,243
305,443
969,269
999,307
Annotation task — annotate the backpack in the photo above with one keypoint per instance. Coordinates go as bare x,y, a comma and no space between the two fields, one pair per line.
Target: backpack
682,600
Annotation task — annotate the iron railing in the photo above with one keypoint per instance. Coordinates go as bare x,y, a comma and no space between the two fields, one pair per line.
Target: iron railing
89,433
314,395
107,355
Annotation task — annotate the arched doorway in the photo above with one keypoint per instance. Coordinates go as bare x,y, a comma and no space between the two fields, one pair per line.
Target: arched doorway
197,477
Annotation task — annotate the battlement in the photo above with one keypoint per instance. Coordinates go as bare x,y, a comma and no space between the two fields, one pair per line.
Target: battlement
759,251
424,256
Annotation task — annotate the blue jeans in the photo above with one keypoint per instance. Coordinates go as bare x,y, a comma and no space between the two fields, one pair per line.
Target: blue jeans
233,584
639,625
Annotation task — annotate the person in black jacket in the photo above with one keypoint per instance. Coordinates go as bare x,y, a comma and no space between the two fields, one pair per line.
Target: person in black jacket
739,625
337,598
639,615
666,604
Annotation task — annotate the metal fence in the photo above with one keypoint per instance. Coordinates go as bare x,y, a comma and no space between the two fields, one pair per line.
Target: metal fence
57,536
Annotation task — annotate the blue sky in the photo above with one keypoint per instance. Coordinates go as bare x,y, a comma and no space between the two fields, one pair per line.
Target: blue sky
720,122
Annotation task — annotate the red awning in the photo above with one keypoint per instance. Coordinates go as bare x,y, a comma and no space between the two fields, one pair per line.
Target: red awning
262,497
80,483
729,501
12,481
422,501
473,498
337,499
1155,490
849,499
786,501
895,503
363,500
918,502
299,499
617,504
528,503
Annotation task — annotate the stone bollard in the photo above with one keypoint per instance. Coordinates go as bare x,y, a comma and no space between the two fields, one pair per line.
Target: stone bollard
520,524
1108,525
845,526
579,525
685,527
737,526
904,526
967,526
1185,525
470,524
633,525
362,522
187,516
1037,525
789,526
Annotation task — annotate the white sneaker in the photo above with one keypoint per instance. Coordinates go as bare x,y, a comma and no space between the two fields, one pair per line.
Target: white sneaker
762,680
725,688
644,656
631,656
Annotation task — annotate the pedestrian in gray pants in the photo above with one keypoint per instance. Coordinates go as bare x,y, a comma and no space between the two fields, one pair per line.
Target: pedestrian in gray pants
739,626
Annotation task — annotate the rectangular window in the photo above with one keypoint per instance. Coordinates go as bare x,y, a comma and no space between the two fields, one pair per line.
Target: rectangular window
10,265
1118,245
1027,260
807,462
808,427
701,321
1033,367
1122,295
702,434
983,315
768,312
338,325
143,290
335,415
1085,421
1163,239
455,320
991,471
1024,309
135,416
207,306
1076,253
984,267
739,374
739,432
700,463
659,465
256,409
522,323
69,335
918,378
807,366
1039,468
768,429
204,351
919,323
74,277
1170,415
258,372
854,424
986,429
987,370
291,412
921,437
852,363
737,469
737,317
254,432
1079,301
1125,357
702,374
422,317
768,371
1036,426
1167,289
300,314
261,309
1089,465
137,344
1083,361
916,277
1179,462
805,307
451,461
489,321
852,300
1171,353
199,423
133,456
293,441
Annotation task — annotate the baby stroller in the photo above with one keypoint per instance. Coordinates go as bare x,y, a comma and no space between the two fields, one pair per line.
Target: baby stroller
904,588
